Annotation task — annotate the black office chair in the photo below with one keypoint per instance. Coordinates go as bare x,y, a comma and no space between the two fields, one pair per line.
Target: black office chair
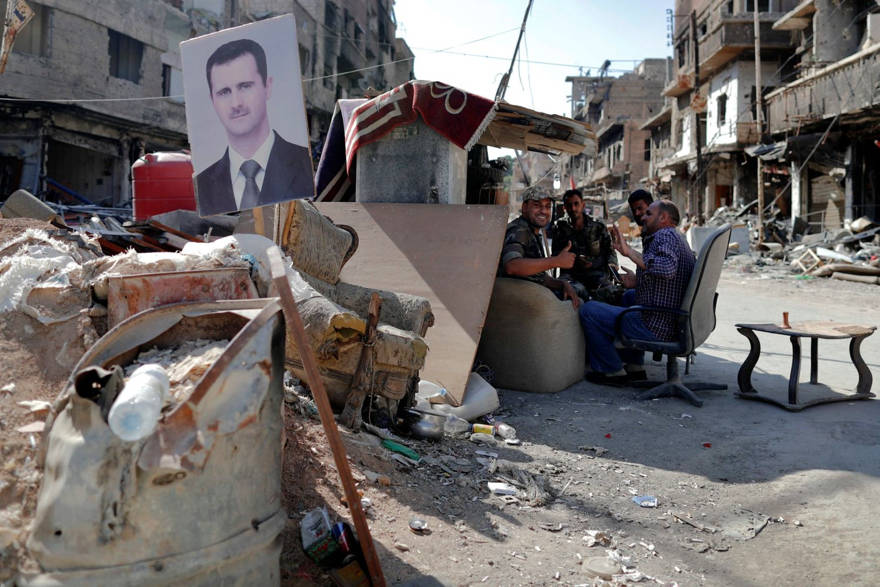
695,322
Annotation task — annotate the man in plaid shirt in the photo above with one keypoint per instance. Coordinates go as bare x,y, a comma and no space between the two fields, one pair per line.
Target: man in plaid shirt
663,272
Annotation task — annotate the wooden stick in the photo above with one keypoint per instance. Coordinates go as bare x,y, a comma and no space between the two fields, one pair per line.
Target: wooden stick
360,382
295,327
259,226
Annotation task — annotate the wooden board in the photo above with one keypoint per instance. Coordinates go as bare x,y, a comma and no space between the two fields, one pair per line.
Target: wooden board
445,253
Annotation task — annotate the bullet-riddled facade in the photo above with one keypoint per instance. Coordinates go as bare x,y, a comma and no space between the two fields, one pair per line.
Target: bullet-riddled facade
823,121
711,107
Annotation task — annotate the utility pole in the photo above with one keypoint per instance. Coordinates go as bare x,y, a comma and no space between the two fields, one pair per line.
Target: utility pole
502,87
759,119
697,197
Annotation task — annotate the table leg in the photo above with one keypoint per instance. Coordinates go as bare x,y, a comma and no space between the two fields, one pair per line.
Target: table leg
795,369
814,360
744,377
865,377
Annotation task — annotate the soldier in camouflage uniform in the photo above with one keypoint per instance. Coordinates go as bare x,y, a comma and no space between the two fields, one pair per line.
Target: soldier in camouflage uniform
591,275
522,255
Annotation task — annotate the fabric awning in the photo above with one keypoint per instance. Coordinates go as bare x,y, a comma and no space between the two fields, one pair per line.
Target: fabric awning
771,152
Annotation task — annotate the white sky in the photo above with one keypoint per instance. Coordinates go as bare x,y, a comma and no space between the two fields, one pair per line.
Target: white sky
571,32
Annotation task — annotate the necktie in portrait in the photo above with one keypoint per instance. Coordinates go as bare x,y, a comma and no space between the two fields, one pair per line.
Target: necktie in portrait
251,196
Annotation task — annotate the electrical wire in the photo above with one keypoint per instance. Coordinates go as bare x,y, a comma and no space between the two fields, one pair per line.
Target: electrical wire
180,96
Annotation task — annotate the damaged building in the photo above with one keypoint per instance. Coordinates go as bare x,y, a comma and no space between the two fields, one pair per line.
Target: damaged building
91,86
86,91
825,121
616,107
698,139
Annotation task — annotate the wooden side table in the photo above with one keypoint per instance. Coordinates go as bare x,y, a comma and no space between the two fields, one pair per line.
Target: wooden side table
814,330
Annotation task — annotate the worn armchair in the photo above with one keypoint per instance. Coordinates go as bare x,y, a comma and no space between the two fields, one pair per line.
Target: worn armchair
335,314
532,340
696,321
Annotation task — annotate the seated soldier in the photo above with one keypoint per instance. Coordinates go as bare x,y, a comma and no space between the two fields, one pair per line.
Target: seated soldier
596,263
638,202
523,256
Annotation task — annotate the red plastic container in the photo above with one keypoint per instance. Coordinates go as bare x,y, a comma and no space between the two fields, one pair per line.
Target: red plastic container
162,182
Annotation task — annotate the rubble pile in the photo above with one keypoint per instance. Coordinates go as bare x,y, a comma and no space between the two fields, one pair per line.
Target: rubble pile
54,284
851,253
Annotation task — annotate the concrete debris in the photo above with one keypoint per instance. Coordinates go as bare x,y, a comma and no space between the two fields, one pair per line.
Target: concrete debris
851,253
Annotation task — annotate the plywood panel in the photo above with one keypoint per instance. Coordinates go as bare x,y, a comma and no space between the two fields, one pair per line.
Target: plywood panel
446,253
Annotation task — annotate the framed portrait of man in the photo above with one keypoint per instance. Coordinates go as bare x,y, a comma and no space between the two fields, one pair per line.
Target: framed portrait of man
246,117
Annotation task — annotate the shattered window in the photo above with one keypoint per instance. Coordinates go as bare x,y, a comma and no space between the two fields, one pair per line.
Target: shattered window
126,55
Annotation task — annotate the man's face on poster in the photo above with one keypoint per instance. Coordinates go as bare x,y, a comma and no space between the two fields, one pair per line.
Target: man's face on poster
239,96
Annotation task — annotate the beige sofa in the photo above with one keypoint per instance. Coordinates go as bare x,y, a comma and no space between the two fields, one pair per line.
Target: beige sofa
532,340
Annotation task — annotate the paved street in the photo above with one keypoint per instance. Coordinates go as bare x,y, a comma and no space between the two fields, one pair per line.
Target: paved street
776,498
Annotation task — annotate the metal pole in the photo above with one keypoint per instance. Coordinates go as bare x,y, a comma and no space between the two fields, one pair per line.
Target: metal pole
698,197
502,87
759,120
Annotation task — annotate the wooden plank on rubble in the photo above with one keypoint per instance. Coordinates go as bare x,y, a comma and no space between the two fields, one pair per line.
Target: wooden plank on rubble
447,254
316,384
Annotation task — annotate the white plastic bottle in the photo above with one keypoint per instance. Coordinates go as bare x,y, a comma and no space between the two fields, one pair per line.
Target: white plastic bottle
135,412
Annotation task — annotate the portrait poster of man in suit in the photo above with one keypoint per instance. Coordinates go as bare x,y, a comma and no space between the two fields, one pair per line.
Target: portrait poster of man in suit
246,117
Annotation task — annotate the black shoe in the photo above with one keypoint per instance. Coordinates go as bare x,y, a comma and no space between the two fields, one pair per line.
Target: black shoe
637,375
603,379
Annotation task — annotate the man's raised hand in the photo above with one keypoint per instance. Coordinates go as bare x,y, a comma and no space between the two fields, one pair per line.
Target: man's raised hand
565,258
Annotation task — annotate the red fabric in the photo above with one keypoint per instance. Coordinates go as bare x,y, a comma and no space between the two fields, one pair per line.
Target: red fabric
455,114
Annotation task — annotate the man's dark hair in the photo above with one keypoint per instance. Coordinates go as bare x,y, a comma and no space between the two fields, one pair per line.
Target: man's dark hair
640,195
574,192
667,206
233,50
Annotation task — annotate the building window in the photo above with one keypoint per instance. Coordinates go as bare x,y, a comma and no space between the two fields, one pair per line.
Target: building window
126,55
647,149
33,39
172,83
330,16
329,78
683,46
729,7
763,5
166,80
346,23
703,28
722,109
305,65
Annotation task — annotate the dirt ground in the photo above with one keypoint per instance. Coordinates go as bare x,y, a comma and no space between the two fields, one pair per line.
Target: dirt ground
747,493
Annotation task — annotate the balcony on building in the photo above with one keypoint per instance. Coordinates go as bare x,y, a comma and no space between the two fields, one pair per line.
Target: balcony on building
796,19
845,88
731,35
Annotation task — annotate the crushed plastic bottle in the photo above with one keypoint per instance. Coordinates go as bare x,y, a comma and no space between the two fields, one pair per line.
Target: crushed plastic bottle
505,431
455,425
135,412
